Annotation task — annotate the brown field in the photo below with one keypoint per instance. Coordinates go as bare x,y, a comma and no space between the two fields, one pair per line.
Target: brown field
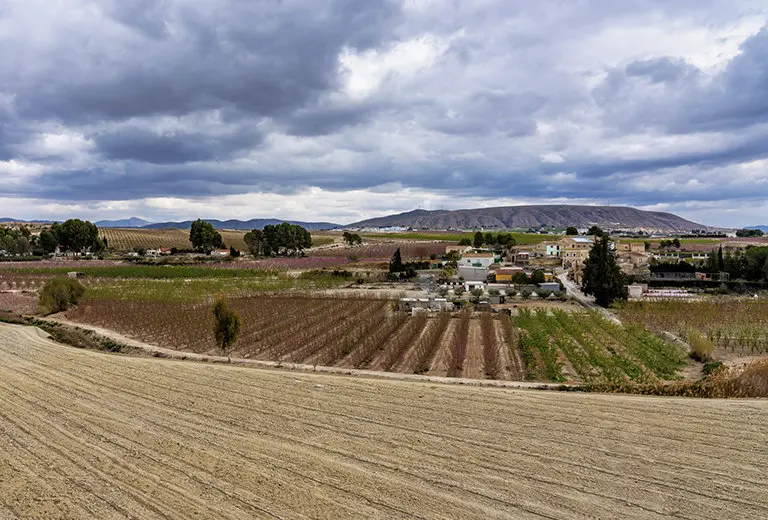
343,332
130,239
90,435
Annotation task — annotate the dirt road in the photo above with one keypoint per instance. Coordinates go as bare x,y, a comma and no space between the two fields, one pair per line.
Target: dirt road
91,435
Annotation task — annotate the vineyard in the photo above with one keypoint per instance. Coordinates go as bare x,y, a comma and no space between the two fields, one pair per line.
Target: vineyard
557,345
367,334
734,325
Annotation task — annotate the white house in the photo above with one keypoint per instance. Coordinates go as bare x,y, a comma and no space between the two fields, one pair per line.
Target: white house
477,260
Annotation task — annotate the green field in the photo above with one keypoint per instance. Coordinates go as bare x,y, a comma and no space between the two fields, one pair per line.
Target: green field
521,238
597,350
179,283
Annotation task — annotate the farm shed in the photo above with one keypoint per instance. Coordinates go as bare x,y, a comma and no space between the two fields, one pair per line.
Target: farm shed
549,286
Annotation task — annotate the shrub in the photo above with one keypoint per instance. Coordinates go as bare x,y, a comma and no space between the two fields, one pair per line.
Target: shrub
525,294
701,347
226,325
458,290
60,294
712,367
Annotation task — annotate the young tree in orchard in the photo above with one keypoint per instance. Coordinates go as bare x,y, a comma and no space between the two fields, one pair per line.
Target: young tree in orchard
603,278
226,326
570,230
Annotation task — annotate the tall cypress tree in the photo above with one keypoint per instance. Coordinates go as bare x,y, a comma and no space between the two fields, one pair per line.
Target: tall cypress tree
720,259
396,264
603,278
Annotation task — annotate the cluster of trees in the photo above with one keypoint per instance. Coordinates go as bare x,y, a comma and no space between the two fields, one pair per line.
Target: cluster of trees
571,230
505,240
204,237
523,279
669,243
351,238
281,239
399,270
71,236
603,278
750,264
749,233
16,241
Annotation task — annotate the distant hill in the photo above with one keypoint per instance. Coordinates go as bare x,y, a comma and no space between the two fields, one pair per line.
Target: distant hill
764,229
133,222
257,223
514,217
7,220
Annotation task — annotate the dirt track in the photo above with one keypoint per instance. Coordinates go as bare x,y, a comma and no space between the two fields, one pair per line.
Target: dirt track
91,435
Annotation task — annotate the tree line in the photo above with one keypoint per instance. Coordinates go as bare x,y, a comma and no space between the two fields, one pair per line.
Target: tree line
280,239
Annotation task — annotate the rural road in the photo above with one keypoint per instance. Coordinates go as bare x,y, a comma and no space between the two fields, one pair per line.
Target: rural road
573,290
85,434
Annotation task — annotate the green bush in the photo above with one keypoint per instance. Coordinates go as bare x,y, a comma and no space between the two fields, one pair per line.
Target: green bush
60,294
712,367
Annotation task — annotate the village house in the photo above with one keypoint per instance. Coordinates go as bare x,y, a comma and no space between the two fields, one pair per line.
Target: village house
505,274
547,249
575,249
624,246
477,260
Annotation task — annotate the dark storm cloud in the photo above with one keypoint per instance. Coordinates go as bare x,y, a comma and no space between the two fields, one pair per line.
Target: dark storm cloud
259,58
168,98
140,144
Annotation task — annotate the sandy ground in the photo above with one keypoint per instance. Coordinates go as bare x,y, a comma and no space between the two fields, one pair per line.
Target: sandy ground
91,435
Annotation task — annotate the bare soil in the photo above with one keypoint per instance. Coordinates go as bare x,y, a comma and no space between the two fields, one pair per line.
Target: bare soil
89,435
474,368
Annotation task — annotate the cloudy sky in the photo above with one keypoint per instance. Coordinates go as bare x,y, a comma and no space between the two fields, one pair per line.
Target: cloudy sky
347,109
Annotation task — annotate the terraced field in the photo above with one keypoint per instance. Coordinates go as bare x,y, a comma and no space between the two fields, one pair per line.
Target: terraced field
90,435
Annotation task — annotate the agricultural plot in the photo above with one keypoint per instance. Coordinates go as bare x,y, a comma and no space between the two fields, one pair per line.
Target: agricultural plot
88,435
559,346
366,334
732,325
129,239
350,333
383,251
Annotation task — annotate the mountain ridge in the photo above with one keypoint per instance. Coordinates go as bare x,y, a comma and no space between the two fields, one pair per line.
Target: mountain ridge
537,216
242,225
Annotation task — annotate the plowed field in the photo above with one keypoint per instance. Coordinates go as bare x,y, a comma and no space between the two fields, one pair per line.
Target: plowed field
90,435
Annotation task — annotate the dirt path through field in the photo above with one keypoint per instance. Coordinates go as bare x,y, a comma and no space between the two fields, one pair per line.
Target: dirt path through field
443,357
474,368
89,435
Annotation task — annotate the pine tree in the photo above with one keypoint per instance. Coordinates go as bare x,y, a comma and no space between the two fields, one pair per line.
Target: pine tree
603,278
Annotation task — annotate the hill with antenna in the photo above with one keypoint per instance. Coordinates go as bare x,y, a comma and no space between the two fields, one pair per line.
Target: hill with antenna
536,217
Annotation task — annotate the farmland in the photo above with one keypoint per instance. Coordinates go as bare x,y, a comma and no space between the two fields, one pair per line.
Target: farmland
452,236
594,349
735,325
91,435
366,334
